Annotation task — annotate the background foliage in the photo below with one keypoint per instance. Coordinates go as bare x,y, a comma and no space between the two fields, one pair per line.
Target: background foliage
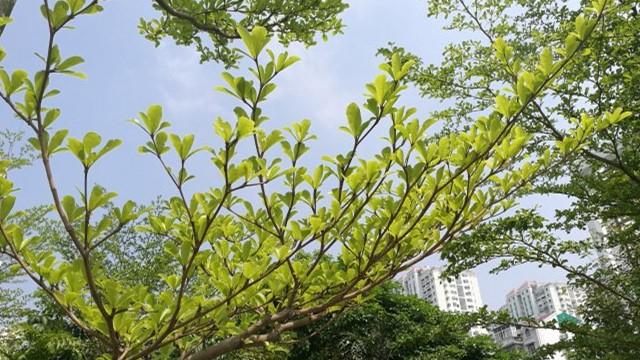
601,180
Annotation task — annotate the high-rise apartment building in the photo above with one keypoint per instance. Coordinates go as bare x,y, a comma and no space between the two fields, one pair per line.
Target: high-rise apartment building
545,302
461,294
529,339
533,300
607,256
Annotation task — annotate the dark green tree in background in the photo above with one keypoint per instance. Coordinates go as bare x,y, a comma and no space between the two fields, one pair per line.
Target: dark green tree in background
392,326
14,154
45,333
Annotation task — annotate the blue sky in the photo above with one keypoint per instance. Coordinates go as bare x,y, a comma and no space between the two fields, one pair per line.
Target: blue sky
127,73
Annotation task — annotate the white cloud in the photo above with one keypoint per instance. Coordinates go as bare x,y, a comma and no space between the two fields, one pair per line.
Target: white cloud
315,88
186,86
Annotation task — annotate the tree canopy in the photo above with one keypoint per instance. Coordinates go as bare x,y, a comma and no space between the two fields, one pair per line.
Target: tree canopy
601,180
211,25
391,326
234,274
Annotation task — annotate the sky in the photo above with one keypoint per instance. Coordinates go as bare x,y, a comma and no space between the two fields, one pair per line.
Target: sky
126,74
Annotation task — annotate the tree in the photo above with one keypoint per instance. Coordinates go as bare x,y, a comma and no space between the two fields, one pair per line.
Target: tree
40,330
46,334
235,276
13,156
211,25
601,180
609,315
389,326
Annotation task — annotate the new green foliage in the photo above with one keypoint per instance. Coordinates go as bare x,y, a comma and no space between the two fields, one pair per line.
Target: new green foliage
601,180
236,273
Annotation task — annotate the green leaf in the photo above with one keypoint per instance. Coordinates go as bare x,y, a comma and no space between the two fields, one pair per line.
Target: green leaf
316,224
354,118
249,270
90,141
94,9
76,74
581,26
598,5
99,197
69,63
59,14
51,93
17,237
290,60
110,145
176,142
379,89
75,5
4,20
69,205
245,126
77,148
56,141
153,118
51,116
246,39
571,44
266,90
17,80
126,214
34,142
6,205
546,61
254,41
172,280
522,89
6,81
223,129
185,252
160,142
503,106
187,144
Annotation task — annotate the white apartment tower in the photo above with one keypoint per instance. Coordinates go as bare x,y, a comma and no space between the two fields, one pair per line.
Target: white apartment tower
529,339
606,256
544,302
533,300
461,294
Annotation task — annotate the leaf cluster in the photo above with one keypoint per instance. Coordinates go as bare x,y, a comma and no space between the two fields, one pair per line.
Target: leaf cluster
211,26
